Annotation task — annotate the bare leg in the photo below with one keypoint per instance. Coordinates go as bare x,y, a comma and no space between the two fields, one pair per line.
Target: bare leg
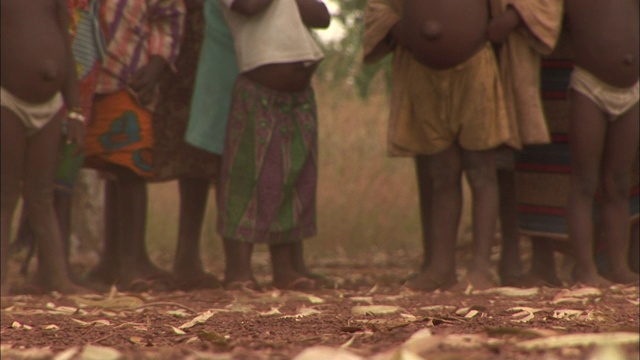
131,207
40,163
510,267
238,264
480,167
285,275
187,267
107,269
587,131
425,198
634,249
445,172
543,264
13,146
24,239
620,151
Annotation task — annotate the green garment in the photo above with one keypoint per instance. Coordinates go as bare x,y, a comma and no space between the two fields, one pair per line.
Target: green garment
215,78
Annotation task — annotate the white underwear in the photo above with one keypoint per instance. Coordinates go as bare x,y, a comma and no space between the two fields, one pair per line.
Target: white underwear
612,100
33,116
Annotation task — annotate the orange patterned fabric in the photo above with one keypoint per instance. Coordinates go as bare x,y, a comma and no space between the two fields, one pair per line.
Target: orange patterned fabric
121,134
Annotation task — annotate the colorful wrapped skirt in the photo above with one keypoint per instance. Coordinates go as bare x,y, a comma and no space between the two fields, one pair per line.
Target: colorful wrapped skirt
267,186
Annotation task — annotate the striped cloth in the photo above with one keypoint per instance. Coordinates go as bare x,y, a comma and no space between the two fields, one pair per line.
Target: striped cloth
543,172
137,30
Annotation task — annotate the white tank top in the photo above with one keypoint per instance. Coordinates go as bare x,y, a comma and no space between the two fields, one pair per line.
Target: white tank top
276,35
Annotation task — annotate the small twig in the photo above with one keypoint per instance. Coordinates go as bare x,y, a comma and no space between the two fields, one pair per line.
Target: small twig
165,303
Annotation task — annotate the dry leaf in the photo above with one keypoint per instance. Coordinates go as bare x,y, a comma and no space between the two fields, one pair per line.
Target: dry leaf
367,299
176,330
101,322
177,313
93,352
51,327
471,314
137,340
438,308
303,312
571,340
200,319
31,354
213,337
120,302
508,291
67,354
566,314
273,312
326,353
375,309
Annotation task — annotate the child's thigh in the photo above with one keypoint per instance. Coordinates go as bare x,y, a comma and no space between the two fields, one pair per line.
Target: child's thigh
621,146
13,145
41,159
480,166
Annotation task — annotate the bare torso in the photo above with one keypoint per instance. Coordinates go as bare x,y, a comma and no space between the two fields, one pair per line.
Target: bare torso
287,77
445,33
605,38
33,49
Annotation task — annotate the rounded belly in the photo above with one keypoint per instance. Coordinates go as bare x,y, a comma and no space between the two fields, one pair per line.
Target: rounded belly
286,77
605,40
443,33
34,65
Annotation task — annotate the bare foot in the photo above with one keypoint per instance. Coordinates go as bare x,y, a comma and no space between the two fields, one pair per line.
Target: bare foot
541,277
624,277
293,281
428,280
590,279
480,280
139,280
195,279
66,287
103,273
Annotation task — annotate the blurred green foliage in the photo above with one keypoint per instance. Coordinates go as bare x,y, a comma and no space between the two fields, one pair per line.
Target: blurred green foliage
343,58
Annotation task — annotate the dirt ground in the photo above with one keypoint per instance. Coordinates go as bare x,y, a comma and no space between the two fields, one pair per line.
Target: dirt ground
363,313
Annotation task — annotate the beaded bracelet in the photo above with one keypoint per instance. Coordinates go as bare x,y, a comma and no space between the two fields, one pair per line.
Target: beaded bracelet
76,115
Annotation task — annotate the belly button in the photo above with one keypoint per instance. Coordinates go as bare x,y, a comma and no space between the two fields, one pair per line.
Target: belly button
628,59
49,70
431,30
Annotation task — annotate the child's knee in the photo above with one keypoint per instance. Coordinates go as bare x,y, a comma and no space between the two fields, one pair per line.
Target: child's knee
482,177
616,186
10,195
584,184
445,176
38,199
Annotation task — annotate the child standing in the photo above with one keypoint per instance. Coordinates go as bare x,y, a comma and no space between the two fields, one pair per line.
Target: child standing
87,47
603,130
267,186
38,78
143,41
442,62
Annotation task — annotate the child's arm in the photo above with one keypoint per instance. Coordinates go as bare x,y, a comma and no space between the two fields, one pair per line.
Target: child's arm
382,29
501,26
314,13
247,7
166,19
70,88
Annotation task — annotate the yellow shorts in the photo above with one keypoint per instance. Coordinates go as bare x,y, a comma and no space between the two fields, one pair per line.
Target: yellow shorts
462,105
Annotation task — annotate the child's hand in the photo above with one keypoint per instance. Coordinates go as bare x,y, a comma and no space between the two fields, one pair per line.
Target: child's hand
500,27
76,131
144,82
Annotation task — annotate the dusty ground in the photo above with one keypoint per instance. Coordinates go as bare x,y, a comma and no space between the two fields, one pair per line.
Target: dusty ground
534,323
